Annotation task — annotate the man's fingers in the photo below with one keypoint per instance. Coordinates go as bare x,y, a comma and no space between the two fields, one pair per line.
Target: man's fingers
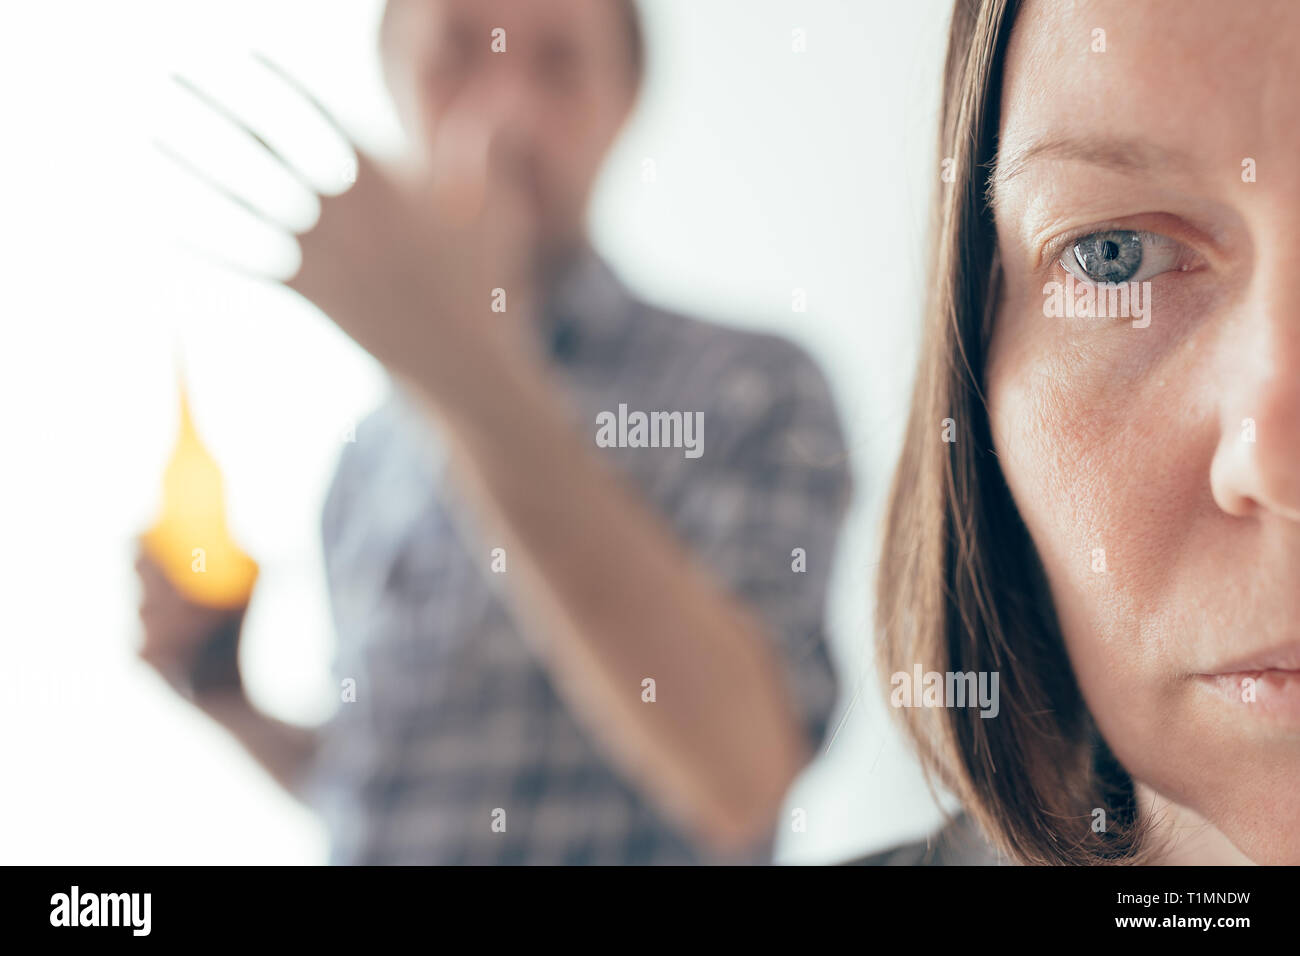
466,165
155,585
146,570
206,255
145,565
225,191
306,94
188,85
361,165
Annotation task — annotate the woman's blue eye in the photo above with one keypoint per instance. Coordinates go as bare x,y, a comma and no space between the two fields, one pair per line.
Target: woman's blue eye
1109,256
1120,255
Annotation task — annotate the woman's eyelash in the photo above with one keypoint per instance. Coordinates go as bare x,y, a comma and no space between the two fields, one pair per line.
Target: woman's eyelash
1113,256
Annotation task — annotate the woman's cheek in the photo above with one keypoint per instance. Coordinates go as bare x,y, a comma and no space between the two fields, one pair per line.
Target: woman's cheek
1081,428
1096,426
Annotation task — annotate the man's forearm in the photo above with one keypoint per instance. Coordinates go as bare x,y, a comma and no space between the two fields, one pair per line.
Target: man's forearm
284,750
612,598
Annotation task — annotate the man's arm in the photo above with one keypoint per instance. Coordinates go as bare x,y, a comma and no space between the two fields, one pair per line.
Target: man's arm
284,750
608,593
611,596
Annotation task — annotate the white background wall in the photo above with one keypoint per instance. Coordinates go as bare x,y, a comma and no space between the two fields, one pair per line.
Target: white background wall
776,170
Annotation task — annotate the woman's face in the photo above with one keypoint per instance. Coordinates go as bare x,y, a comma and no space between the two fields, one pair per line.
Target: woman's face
1154,451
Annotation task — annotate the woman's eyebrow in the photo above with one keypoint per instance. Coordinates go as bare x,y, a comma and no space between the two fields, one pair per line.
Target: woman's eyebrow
1125,155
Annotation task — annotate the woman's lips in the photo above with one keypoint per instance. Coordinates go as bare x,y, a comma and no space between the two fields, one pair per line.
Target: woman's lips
1272,694
1264,684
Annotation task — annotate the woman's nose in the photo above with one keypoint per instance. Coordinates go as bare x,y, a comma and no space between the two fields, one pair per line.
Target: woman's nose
1256,466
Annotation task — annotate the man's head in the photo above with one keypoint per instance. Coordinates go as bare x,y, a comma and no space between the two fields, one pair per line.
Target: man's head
571,69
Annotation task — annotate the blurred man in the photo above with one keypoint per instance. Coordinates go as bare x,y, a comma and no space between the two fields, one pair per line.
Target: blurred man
579,630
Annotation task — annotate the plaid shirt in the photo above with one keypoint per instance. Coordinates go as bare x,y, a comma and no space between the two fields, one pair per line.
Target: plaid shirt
454,719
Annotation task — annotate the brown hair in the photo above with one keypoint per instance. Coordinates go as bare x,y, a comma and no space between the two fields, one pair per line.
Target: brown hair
960,587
